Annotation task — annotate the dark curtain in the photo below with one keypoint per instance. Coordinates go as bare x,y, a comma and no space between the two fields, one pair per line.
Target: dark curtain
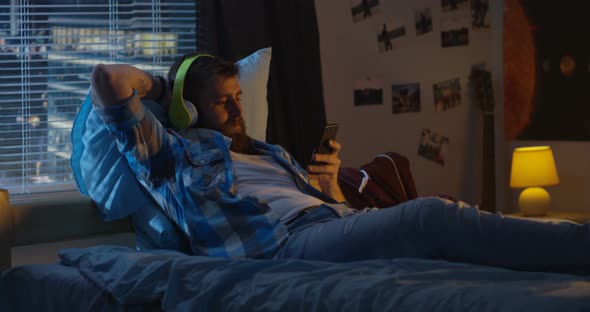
295,95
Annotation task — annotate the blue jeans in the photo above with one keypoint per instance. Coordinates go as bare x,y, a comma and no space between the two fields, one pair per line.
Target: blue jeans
436,228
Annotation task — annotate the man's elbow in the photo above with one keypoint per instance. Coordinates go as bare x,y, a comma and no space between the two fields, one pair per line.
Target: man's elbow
101,76
109,87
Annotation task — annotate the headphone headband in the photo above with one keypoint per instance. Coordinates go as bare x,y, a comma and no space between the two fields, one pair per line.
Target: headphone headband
182,113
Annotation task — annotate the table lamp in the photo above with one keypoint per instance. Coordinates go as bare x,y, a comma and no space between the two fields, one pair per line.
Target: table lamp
532,168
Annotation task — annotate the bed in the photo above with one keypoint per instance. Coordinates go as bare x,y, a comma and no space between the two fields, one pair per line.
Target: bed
120,278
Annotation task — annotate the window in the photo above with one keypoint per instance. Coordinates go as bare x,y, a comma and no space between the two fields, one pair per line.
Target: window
47,51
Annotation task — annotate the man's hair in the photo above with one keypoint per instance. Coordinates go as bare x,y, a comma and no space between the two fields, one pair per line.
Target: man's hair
201,71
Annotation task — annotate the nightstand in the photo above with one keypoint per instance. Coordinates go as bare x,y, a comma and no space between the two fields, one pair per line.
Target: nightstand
575,216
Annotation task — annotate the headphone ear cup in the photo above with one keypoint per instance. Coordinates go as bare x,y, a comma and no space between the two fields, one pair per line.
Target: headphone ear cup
191,110
182,113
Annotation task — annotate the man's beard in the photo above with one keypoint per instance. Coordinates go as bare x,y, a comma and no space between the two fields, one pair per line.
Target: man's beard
235,129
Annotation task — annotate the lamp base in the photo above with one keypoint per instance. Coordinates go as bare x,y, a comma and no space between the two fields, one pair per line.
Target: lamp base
534,202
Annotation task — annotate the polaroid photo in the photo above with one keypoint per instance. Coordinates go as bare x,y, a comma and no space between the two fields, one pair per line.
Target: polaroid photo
447,94
423,21
454,5
363,9
389,36
433,146
405,98
368,91
479,14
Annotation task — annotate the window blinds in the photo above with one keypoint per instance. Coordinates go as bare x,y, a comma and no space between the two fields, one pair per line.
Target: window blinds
47,51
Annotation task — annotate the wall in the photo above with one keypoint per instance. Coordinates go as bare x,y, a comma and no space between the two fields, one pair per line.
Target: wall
349,52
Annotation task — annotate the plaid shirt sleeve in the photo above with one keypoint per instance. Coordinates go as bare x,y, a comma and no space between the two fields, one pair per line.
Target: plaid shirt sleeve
142,139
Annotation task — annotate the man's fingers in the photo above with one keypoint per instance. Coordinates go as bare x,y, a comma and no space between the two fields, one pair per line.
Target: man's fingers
327,158
335,146
315,169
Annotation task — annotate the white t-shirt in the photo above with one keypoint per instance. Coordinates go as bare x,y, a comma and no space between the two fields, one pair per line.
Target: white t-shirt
262,177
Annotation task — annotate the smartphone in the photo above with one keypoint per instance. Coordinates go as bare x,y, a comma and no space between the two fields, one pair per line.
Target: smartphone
329,133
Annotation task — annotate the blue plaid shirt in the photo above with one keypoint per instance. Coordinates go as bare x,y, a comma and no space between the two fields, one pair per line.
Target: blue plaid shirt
190,176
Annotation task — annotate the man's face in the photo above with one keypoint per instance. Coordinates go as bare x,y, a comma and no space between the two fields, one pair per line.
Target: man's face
220,107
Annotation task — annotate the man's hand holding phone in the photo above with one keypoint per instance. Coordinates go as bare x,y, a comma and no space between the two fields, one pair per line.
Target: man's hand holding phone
326,163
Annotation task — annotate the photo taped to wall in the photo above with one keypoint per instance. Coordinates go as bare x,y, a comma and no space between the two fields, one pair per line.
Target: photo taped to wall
423,21
368,91
453,5
447,94
433,146
390,35
454,37
405,98
363,9
455,29
479,14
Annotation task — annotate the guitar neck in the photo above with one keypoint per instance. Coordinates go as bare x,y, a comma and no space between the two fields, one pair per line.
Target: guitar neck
482,83
489,164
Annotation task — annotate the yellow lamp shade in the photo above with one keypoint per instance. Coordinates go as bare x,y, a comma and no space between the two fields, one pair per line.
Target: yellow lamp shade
533,166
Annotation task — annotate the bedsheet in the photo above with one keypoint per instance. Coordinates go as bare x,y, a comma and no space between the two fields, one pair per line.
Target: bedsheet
57,288
193,283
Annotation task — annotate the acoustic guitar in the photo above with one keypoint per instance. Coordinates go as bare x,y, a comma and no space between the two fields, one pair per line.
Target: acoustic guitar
481,82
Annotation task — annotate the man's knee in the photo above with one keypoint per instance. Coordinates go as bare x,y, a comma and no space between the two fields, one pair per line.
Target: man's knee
430,211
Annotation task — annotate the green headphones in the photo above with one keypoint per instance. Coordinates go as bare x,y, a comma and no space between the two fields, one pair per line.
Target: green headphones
182,113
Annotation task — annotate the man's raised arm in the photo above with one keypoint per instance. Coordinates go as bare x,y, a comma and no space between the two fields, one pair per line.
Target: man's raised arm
114,84
116,92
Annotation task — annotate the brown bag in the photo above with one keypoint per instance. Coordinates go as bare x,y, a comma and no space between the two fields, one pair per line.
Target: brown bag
384,182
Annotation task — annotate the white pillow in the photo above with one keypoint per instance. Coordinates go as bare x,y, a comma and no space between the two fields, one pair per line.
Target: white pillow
254,71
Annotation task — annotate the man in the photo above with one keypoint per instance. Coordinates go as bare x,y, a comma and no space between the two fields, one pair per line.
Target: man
232,196
198,192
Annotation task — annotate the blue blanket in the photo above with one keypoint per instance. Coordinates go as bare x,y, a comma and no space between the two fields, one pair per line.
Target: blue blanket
193,283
